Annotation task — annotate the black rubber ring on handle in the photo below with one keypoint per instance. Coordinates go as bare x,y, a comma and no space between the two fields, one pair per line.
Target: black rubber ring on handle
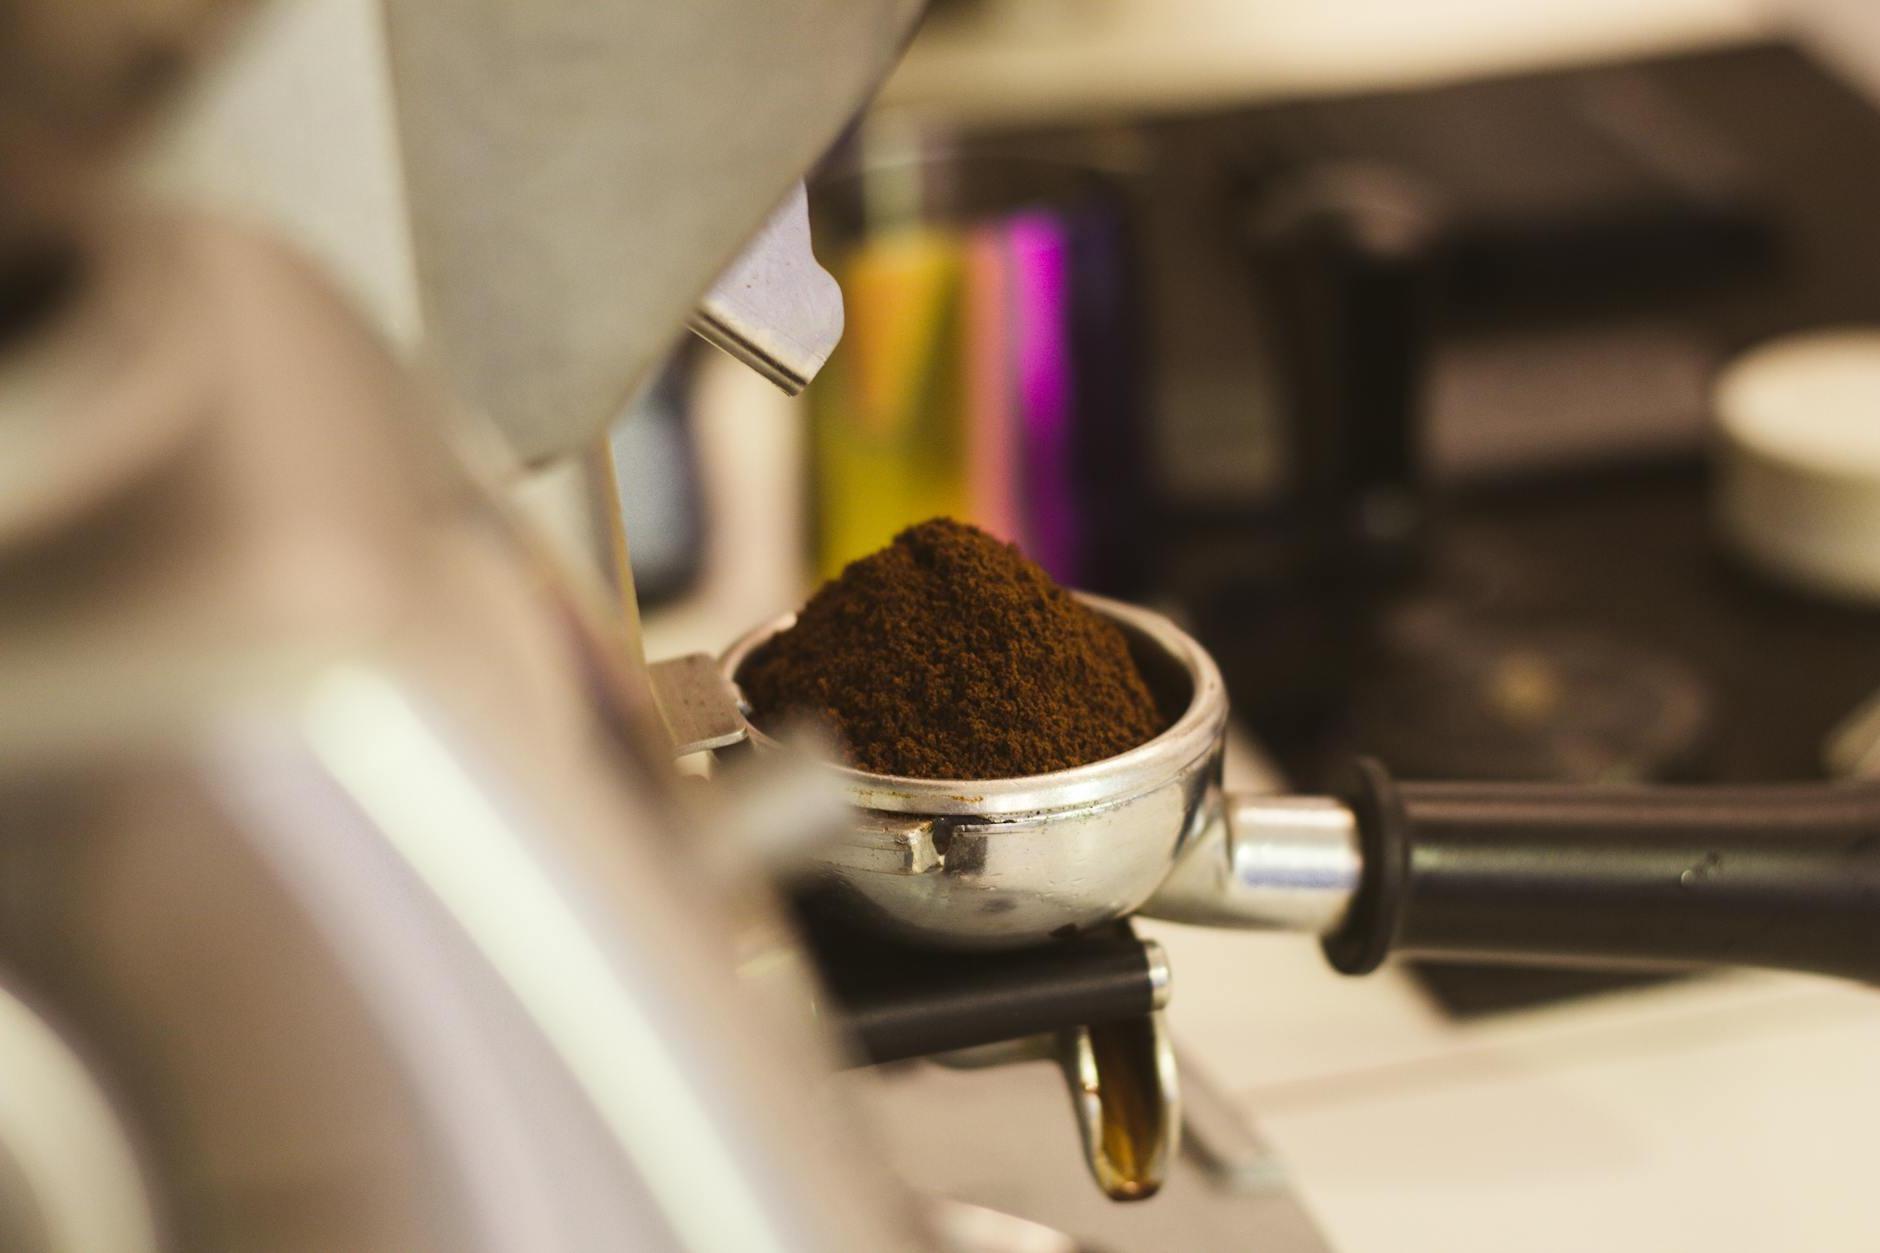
1369,931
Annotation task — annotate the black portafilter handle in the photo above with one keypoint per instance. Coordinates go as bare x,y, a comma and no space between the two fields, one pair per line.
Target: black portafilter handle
1778,876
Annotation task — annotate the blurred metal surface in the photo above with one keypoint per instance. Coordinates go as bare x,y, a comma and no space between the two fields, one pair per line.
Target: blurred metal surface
694,698
1286,862
580,173
330,829
75,80
573,501
69,1179
776,309
337,832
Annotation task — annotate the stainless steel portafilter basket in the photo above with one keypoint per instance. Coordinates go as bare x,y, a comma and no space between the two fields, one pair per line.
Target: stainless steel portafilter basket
1785,876
1002,863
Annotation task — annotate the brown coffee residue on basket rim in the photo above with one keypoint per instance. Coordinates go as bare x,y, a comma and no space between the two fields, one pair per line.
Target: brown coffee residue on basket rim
950,655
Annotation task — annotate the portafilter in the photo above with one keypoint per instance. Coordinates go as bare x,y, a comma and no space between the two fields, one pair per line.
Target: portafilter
1780,876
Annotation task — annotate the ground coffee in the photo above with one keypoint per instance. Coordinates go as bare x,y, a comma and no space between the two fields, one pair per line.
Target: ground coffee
949,655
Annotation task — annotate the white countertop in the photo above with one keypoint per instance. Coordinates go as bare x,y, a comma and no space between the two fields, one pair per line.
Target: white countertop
1729,1113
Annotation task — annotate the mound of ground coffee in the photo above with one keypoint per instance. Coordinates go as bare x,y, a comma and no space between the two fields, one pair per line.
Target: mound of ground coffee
949,655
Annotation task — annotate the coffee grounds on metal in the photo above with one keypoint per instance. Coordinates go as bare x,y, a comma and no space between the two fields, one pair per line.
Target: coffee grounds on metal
949,655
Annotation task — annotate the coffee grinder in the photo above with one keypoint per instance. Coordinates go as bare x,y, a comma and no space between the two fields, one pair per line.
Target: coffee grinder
344,861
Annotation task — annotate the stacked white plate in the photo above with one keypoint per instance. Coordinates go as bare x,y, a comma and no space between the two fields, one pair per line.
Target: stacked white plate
1798,477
